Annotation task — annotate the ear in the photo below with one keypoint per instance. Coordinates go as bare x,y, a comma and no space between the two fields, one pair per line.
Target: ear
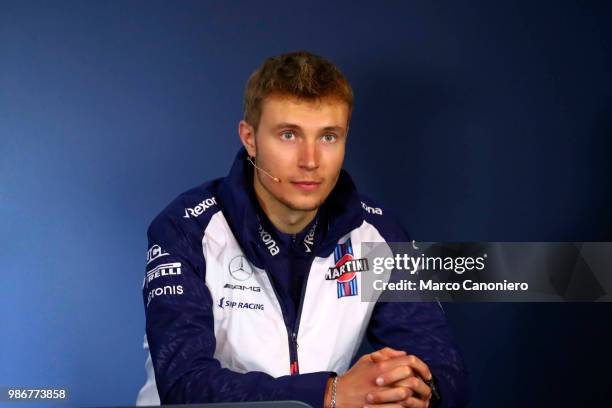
247,137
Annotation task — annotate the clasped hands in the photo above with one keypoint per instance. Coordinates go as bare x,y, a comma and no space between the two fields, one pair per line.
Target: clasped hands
386,378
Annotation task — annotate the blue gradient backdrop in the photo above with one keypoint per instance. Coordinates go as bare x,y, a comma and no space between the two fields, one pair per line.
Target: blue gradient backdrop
475,120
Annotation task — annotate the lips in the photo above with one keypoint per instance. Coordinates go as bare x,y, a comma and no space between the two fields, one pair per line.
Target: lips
305,185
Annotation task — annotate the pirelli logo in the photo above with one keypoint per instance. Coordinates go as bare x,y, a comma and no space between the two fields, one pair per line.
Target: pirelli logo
167,269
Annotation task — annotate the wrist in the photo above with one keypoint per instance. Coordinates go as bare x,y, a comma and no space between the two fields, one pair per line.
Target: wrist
329,399
327,396
435,393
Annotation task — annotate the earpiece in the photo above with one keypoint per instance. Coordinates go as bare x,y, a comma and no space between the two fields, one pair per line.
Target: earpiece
252,161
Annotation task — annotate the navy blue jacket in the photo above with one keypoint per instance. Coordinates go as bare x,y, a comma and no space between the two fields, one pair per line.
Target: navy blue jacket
189,249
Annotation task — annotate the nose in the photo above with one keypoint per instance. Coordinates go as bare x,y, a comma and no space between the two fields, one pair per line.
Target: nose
308,156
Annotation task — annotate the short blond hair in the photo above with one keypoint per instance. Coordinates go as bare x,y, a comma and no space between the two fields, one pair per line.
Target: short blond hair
300,74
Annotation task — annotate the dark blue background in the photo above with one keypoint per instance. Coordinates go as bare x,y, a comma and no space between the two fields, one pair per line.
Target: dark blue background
475,120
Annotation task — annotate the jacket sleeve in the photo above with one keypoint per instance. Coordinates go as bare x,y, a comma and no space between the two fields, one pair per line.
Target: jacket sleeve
180,331
420,328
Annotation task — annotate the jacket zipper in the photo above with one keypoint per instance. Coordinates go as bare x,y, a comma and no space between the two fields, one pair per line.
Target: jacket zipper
291,334
291,339
293,344
296,327
294,367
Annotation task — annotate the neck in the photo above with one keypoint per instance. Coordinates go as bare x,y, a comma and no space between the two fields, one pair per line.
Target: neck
285,219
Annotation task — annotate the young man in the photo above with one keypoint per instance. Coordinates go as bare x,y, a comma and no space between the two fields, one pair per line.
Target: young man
239,301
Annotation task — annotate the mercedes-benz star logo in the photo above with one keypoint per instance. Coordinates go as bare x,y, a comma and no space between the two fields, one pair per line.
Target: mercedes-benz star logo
240,269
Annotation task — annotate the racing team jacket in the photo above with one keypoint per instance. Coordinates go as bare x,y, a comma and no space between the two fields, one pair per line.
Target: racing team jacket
220,321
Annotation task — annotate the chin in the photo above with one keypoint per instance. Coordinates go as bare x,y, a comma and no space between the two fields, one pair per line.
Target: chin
304,205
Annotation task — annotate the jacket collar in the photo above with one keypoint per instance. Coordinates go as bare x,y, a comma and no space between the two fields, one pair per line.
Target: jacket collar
339,215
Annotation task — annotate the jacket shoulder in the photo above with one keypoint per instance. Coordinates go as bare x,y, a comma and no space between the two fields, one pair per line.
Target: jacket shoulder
383,219
187,215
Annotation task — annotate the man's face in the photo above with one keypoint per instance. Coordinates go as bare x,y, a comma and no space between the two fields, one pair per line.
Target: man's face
302,143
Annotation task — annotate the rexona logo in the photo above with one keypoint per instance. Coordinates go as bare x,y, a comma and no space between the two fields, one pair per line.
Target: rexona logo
268,241
200,208
372,210
230,304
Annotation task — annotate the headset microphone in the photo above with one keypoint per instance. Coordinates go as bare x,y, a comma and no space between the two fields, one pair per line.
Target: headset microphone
250,159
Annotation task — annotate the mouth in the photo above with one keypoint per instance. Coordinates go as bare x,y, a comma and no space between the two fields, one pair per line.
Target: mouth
306,185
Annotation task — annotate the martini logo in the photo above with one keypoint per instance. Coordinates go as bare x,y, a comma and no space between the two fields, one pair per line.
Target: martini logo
345,270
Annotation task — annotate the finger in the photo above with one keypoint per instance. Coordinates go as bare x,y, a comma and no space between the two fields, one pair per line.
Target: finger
378,356
386,353
391,352
419,387
419,366
394,394
411,360
391,363
402,383
396,374
414,403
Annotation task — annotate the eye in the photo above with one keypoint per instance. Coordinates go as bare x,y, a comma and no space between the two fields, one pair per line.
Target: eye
329,138
287,135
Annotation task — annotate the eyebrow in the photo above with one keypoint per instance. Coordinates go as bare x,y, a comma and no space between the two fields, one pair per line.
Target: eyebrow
294,126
